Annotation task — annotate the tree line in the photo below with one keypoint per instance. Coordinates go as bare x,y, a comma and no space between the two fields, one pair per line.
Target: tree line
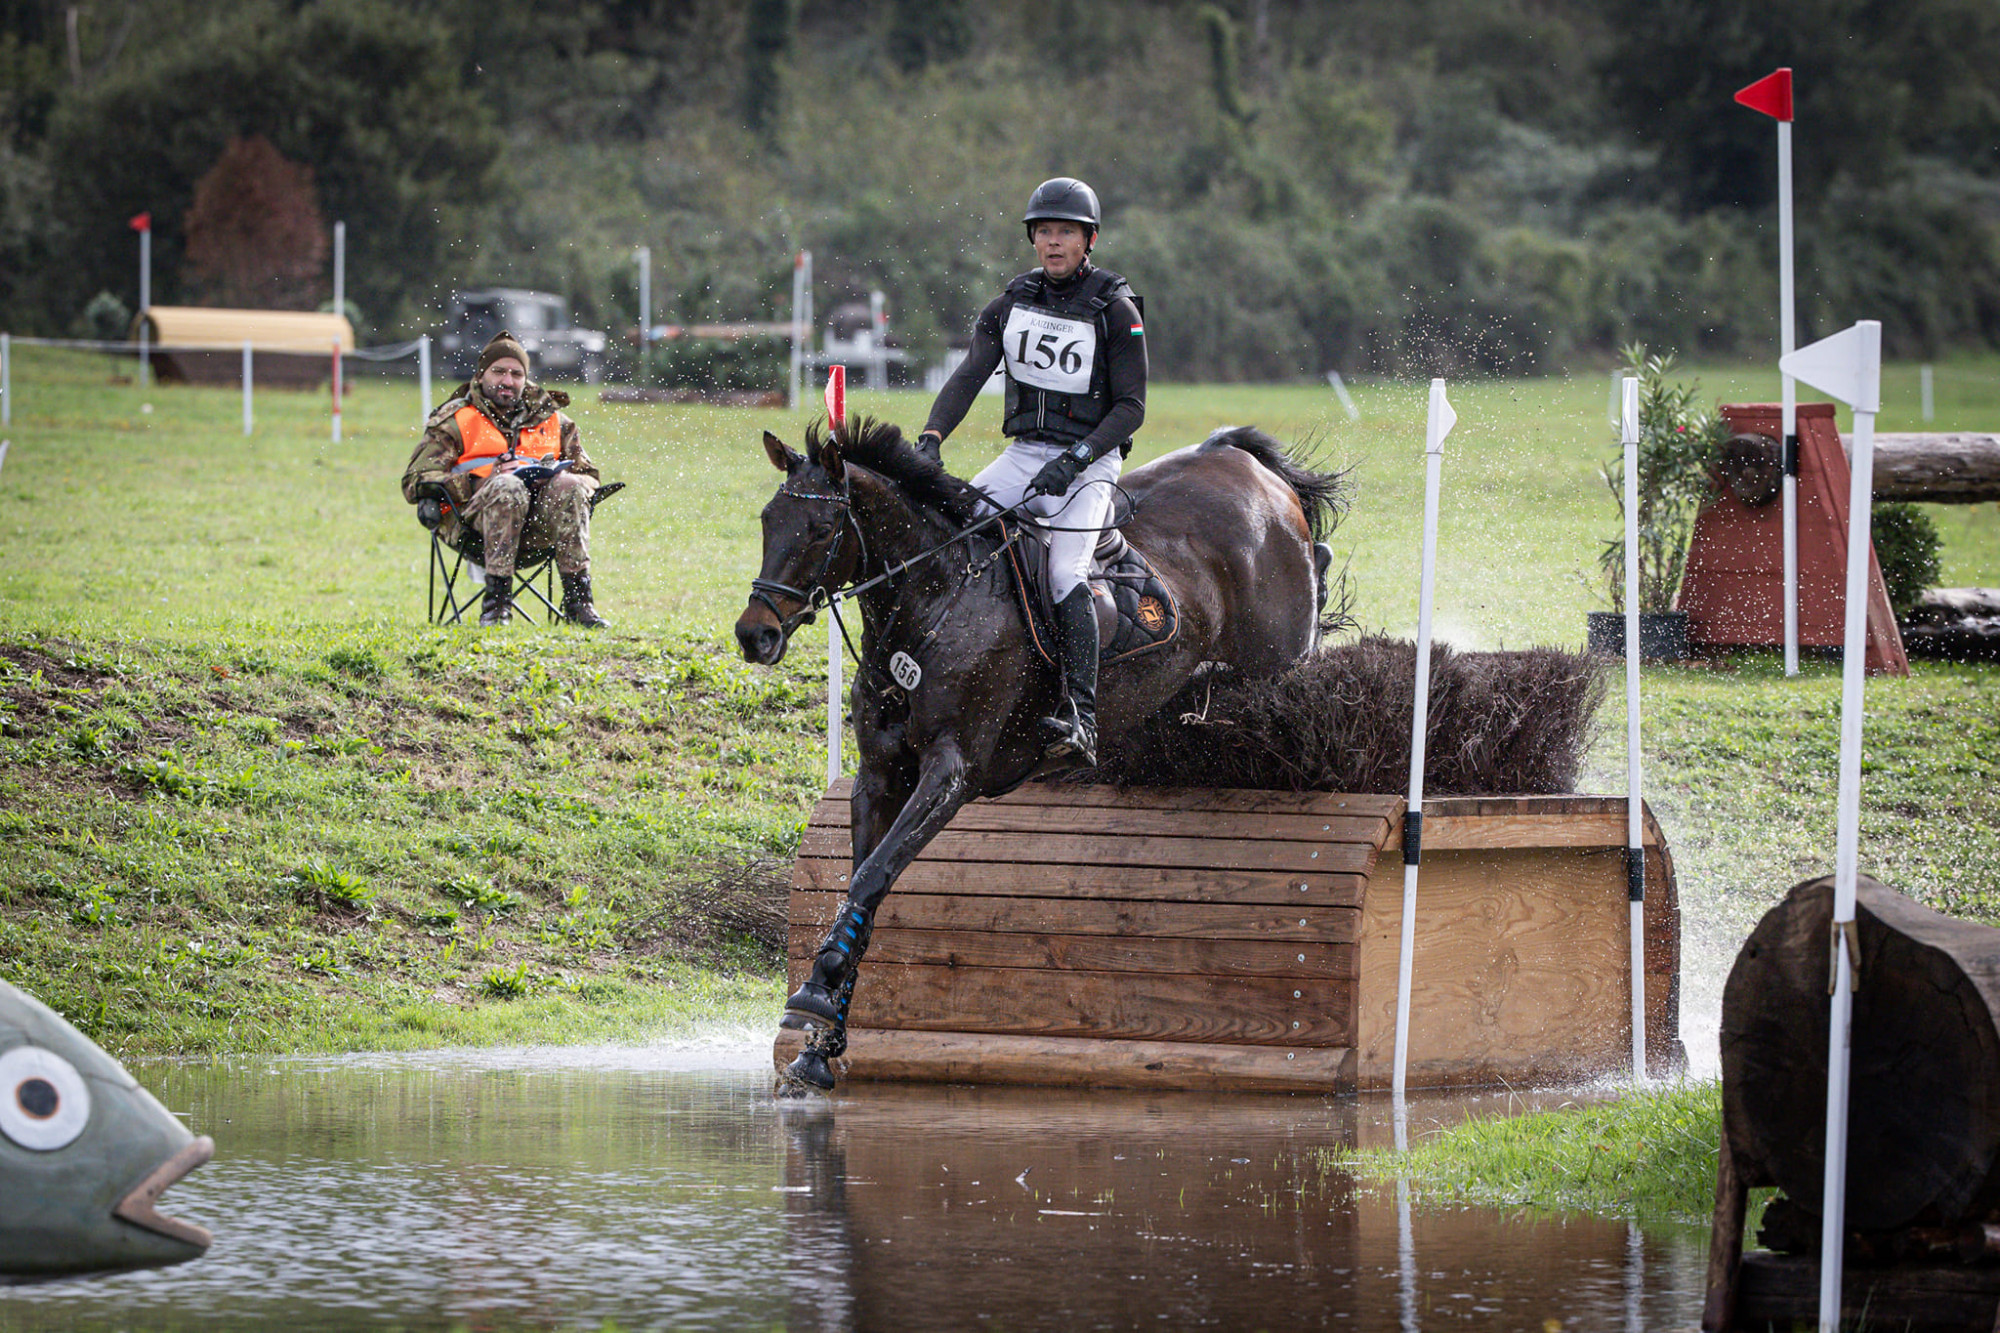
1429,185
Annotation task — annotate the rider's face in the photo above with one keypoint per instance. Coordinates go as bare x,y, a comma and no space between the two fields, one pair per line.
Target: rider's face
502,381
1061,246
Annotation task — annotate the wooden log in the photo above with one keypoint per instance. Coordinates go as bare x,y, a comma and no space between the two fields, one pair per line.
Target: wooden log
1780,1289
1725,1245
1955,467
1924,1106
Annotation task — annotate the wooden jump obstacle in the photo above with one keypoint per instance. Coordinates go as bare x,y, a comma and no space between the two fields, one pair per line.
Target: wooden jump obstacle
1177,938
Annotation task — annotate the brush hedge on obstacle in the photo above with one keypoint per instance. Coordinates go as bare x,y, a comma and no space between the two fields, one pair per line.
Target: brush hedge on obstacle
1500,722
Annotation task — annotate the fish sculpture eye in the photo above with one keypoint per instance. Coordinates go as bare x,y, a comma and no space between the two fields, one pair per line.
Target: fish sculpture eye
44,1102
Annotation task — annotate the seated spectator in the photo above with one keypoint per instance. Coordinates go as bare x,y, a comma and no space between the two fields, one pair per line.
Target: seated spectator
501,459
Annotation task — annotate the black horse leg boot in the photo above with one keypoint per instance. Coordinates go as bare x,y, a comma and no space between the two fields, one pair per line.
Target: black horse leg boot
818,997
499,607
1073,729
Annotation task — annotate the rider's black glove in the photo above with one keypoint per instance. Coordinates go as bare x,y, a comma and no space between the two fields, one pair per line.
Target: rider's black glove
429,490
1060,473
430,512
931,445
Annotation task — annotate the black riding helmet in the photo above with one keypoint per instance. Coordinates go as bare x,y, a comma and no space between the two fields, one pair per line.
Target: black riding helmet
1063,199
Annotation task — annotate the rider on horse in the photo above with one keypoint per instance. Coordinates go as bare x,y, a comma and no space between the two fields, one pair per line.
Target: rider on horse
1071,340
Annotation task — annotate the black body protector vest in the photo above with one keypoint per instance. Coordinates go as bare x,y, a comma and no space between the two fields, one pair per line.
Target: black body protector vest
1053,346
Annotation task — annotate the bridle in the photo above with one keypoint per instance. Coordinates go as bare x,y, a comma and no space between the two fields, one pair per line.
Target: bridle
816,594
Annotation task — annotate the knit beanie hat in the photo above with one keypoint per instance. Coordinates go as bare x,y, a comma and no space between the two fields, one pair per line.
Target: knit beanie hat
503,344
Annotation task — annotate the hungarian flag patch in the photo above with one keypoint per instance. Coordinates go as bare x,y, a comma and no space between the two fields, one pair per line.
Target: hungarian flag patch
1138,329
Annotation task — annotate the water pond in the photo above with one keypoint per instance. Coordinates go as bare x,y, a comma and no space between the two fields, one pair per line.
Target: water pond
666,1189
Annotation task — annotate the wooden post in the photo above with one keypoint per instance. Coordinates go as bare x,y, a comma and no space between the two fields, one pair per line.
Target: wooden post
1725,1244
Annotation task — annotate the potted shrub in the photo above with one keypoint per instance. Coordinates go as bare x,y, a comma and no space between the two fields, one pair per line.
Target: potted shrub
1678,445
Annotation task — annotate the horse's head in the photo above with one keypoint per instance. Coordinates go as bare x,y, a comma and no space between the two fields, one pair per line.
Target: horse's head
812,547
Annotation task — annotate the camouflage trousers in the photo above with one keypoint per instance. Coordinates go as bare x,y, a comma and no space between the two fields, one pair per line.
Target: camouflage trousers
513,519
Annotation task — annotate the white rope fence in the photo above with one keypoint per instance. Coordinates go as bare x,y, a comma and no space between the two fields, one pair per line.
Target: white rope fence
418,347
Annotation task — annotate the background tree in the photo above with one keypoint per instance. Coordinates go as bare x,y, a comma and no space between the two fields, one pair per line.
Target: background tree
255,235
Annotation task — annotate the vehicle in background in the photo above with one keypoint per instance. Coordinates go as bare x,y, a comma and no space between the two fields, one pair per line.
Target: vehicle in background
539,319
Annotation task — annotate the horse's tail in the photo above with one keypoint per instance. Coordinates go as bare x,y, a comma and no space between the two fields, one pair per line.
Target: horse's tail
1323,495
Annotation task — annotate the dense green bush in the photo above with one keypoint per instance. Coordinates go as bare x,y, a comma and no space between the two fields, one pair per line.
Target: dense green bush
1906,546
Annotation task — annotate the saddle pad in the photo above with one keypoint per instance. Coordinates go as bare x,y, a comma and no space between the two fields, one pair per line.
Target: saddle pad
1148,615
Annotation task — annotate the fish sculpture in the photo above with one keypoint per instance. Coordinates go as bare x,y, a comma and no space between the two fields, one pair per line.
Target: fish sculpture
85,1154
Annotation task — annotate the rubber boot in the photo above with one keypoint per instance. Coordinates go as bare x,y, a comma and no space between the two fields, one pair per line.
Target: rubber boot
499,608
576,607
812,1067
1072,731
818,998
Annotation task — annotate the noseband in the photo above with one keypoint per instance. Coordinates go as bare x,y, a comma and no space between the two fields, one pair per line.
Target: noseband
816,594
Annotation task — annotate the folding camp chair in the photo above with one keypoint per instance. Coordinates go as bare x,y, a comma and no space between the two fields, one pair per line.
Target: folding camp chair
534,570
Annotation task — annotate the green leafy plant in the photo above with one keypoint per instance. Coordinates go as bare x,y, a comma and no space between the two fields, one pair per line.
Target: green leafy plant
1906,546
1678,444
323,886
507,983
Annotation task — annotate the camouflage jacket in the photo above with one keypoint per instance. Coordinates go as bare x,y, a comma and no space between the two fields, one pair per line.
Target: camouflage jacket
439,449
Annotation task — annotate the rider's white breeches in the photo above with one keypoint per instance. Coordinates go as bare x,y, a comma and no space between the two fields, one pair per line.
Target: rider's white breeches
1087,506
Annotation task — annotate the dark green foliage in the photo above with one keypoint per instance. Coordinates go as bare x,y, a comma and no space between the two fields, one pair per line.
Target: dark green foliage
363,92
767,36
714,363
1906,546
928,32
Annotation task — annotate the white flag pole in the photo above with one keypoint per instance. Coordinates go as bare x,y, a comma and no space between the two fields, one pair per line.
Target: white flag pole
6,380
248,419
424,378
1437,426
836,416
644,256
145,297
1849,366
1789,422
1635,834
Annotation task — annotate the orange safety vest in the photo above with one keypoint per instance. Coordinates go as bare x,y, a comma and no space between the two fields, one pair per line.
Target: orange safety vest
483,439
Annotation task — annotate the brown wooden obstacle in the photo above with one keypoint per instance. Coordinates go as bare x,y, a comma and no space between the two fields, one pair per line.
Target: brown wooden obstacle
1733,592
1163,937
1923,1163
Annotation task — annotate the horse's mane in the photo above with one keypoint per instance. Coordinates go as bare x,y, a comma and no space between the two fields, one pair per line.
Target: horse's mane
881,448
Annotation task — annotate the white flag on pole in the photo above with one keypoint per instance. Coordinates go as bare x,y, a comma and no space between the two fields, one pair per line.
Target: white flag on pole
1842,366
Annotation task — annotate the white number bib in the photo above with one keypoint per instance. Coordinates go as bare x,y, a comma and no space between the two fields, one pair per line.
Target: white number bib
1049,351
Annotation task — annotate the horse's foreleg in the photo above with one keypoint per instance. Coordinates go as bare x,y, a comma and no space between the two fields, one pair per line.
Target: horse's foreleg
940,790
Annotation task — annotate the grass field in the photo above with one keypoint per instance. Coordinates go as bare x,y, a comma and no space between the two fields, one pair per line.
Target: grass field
248,799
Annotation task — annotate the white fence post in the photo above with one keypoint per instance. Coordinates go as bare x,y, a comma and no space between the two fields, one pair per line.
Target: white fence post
6,379
1930,404
336,391
1635,833
247,416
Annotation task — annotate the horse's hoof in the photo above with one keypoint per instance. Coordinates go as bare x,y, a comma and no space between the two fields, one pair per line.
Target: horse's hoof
792,1022
789,1089
810,1069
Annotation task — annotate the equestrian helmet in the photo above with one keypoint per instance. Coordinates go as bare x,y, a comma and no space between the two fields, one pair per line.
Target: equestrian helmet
1063,199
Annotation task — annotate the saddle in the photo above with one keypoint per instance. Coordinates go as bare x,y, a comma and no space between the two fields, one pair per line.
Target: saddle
1136,610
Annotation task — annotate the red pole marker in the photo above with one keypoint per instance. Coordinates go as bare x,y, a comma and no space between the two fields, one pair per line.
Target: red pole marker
1771,94
141,222
836,399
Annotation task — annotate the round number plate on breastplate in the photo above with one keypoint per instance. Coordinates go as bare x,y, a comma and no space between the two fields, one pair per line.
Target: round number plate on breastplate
906,671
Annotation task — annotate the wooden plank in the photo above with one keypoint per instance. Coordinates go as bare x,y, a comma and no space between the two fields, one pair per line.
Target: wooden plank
1112,822
1092,953
1465,823
1067,849
1521,960
814,912
968,1057
1133,1005
1139,883
1201,800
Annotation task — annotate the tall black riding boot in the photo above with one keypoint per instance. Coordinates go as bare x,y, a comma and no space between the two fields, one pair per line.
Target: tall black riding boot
499,607
576,607
1073,730
818,997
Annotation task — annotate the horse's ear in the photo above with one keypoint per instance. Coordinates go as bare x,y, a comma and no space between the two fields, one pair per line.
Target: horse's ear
783,457
829,460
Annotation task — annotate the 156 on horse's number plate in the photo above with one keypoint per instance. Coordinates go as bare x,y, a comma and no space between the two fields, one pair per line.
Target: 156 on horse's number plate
906,671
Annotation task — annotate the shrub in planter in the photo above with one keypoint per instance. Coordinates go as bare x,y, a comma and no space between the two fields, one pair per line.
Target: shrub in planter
1678,445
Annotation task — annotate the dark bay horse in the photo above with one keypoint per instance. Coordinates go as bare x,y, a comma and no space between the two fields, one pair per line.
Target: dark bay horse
1231,525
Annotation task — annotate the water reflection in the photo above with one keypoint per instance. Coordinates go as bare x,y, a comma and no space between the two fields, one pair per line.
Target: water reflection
665,1189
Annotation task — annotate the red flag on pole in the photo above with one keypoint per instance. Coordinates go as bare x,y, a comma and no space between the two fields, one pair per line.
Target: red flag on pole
836,398
1771,94
141,222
